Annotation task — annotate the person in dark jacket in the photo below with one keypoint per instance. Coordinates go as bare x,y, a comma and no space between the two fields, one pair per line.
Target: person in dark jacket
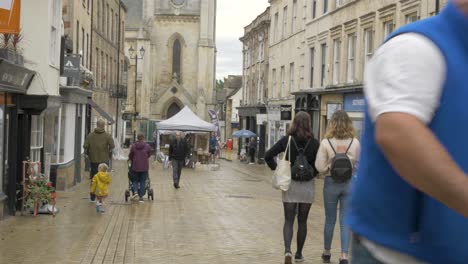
300,195
178,151
98,148
140,152
252,149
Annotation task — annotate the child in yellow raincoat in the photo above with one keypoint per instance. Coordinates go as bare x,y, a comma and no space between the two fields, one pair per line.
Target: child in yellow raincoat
100,186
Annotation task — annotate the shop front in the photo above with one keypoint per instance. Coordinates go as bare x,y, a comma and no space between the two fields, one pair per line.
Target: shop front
354,104
310,104
279,121
248,120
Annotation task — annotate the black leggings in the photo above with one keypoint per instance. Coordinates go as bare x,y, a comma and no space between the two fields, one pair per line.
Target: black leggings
290,210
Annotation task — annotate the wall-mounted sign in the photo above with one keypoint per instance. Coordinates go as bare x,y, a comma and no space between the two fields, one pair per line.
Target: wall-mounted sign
71,66
14,78
10,16
354,103
262,118
286,112
331,109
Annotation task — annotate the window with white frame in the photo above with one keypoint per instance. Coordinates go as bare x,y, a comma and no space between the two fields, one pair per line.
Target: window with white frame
413,17
291,77
323,50
336,61
314,8
351,57
275,29
312,64
54,47
294,17
325,6
285,22
368,44
275,88
37,137
388,28
283,84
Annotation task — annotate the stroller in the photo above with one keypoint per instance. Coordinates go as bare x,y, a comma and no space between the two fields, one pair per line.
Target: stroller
148,188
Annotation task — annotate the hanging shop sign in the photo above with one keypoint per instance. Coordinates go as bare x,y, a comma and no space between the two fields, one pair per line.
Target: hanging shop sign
286,112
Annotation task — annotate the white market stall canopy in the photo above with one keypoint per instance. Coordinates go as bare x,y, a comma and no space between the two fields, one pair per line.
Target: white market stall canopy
186,120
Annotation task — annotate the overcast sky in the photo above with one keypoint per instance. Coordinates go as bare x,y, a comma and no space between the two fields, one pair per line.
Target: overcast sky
232,17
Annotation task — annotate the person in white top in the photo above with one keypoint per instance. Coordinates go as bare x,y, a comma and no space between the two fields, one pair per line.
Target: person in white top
337,158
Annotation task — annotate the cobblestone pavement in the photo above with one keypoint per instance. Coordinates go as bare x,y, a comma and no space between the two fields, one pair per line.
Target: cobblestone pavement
227,216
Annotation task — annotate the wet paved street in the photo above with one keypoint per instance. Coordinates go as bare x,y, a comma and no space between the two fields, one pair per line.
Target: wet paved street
227,216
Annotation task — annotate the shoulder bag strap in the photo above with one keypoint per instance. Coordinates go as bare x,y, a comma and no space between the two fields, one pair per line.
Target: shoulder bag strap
331,145
349,146
288,149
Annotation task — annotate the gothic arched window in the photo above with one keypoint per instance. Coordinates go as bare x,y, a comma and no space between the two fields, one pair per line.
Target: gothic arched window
176,59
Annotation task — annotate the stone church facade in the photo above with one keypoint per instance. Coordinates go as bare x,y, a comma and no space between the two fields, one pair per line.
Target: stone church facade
178,66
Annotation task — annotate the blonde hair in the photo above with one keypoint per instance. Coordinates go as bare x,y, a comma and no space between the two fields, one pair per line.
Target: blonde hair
340,126
103,167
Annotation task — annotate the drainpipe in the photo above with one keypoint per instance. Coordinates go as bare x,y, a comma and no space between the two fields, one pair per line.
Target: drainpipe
437,6
118,73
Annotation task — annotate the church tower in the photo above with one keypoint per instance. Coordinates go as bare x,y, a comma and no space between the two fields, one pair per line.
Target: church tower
182,66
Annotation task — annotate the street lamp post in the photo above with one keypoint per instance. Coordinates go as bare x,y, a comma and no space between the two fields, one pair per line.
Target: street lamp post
134,56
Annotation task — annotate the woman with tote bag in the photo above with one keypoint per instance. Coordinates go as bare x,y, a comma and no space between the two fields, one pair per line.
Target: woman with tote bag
300,194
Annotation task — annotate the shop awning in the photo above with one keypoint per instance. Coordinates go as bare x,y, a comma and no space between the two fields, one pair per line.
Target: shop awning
101,111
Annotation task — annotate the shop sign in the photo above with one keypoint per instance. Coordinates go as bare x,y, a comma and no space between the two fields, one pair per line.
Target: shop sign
354,103
331,109
71,66
261,119
286,112
274,113
10,16
14,77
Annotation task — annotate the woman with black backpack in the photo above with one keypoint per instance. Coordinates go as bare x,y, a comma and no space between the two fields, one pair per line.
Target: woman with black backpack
337,158
300,195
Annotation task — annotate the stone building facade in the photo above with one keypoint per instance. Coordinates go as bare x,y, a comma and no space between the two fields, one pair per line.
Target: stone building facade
107,62
341,37
178,68
286,63
255,73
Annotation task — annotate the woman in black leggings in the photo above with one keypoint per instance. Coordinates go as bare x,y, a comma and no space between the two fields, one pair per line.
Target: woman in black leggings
300,195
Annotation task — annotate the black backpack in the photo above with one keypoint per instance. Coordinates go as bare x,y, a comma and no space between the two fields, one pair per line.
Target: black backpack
341,166
302,170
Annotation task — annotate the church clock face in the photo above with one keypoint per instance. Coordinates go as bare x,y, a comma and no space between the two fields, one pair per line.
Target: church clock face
178,2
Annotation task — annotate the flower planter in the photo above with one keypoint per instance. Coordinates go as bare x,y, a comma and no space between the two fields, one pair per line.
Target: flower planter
11,56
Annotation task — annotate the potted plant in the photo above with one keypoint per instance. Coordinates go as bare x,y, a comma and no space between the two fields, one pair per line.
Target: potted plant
39,192
10,49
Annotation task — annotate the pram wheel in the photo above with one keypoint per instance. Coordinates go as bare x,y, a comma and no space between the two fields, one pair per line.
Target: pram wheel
127,195
151,194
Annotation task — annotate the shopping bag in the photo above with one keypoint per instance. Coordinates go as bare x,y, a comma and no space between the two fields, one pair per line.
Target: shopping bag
281,178
166,163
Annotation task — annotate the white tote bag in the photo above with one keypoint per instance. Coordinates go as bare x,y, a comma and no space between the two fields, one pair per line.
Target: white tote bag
282,175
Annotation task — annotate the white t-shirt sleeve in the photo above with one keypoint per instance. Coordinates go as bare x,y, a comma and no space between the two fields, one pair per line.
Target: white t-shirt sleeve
406,75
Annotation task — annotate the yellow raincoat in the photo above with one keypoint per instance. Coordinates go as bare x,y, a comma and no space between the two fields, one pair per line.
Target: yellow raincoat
100,184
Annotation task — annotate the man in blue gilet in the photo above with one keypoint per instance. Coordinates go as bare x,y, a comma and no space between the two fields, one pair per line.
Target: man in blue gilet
409,201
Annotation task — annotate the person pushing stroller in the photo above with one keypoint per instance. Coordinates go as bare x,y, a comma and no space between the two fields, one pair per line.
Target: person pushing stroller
140,152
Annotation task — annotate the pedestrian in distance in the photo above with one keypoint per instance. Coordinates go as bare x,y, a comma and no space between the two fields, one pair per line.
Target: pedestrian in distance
98,148
336,159
139,155
213,147
100,186
178,151
409,200
300,195
252,149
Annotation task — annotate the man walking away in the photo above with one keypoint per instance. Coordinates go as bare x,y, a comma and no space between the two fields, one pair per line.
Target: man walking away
140,152
178,151
409,202
98,147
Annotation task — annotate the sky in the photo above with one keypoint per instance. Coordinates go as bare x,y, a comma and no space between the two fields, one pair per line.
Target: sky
232,17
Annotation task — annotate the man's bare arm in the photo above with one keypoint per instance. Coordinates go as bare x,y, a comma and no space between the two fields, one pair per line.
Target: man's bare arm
421,160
